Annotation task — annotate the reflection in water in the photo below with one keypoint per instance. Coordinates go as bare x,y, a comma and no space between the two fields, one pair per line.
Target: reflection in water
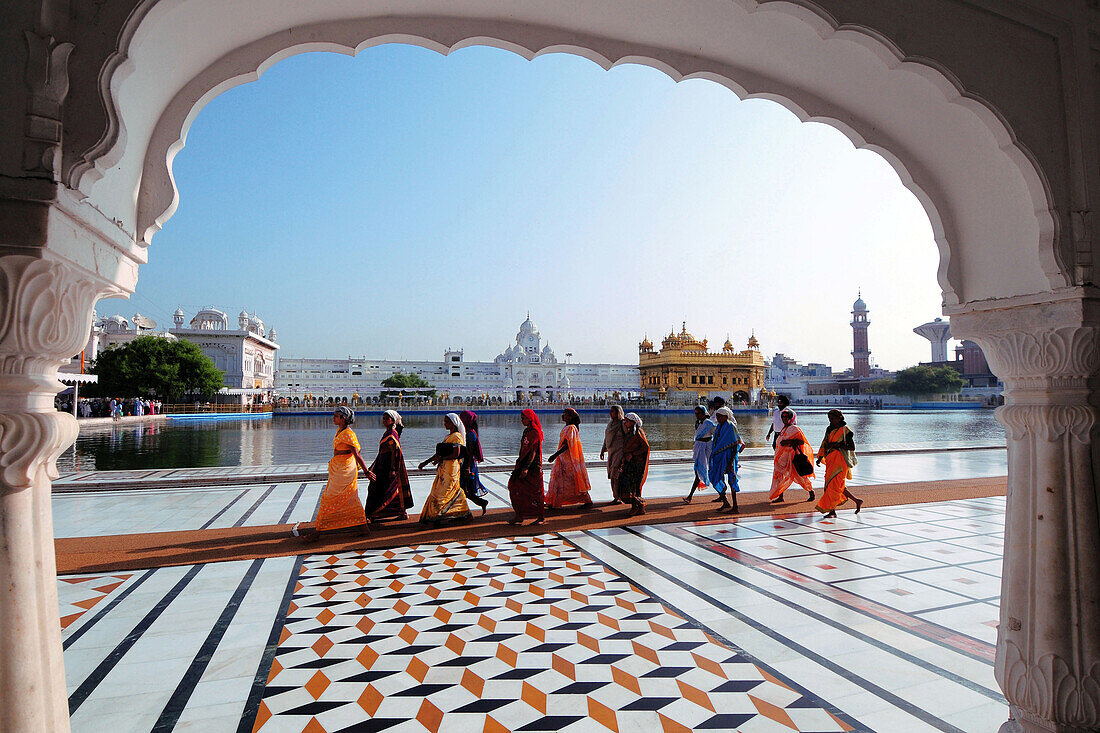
302,439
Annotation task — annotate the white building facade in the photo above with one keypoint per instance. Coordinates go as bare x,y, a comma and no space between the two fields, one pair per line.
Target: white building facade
527,370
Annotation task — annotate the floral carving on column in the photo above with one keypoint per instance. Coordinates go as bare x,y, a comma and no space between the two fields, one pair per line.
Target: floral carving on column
1048,644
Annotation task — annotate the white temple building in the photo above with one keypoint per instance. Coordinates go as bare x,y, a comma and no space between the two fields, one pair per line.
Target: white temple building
526,370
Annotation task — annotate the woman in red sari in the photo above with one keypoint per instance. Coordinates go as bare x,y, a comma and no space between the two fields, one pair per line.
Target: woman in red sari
388,494
635,467
837,450
569,482
791,440
525,485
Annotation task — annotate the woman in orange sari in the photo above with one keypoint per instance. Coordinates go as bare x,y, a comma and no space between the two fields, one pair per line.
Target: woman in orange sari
569,482
836,450
340,507
635,467
791,440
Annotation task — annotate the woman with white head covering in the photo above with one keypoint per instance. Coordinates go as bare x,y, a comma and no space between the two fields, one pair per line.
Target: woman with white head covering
389,495
727,444
635,466
792,449
705,425
446,501
339,507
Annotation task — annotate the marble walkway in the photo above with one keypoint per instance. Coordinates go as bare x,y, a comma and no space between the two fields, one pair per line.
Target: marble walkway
883,621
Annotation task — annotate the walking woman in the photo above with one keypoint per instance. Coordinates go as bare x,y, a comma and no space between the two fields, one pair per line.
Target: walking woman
446,502
388,494
340,507
635,466
838,452
525,484
471,480
568,475
723,459
701,449
613,439
791,442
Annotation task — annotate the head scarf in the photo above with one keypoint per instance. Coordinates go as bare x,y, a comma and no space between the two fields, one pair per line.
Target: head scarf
469,421
839,415
394,415
728,413
530,415
633,417
573,417
788,412
347,413
457,422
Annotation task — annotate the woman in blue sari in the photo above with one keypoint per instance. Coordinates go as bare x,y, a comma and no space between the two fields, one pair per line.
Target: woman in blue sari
726,445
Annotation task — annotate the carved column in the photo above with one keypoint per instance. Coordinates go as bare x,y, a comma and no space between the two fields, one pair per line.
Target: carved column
45,315
1048,641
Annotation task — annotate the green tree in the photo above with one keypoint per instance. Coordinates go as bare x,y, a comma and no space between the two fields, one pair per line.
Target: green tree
405,381
150,366
880,386
920,380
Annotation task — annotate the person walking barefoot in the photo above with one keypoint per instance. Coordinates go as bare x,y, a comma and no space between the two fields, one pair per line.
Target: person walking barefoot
569,482
838,452
446,502
700,449
339,507
613,439
470,478
723,459
791,440
635,467
525,488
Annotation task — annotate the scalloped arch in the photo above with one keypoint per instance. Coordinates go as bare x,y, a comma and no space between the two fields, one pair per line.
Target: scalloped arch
935,139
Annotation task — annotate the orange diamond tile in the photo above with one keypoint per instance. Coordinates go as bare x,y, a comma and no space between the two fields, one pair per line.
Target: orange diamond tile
534,697
397,586
776,713
433,591
314,727
284,635
325,616
559,612
391,568
262,716
709,665
455,644
390,554
332,560
276,668
471,553
472,599
487,623
645,652
537,590
563,667
506,655
321,646
459,578
589,642
429,716
662,630
402,607
363,600
603,715
424,574
330,575
361,580
365,625
598,583
408,634
328,593
291,608
473,683
513,605
557,577
498,584
695,695
578,596
609,621
367,657
535,631
417,669
317,684
361,564
483,567
450,562
668,725
624,679
623,603
370,700
442,614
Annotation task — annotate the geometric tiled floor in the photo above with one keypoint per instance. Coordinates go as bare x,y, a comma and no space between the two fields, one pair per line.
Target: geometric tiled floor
884,621
508,635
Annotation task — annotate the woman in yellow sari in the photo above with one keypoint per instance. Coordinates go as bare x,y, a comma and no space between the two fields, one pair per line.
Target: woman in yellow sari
837,450
791,441
446,501
340,507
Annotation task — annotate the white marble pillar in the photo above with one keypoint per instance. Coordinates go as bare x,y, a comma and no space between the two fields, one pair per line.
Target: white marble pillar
1048,641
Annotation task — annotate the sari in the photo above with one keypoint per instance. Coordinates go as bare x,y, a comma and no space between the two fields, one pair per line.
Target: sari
837,471
569,482
784,474
389,494
635,467
446,501
340,505
470,478
701,449
525,484
726,446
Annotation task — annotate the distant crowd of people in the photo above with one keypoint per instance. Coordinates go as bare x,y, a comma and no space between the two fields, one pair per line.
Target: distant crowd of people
457,482
113,407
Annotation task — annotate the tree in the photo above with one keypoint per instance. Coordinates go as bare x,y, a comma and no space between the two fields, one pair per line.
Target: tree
406,381
150,366
920,380
880,386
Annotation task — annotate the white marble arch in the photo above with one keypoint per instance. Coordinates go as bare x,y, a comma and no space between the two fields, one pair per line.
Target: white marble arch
88,182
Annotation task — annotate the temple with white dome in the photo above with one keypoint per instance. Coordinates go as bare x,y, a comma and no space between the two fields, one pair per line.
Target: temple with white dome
527,370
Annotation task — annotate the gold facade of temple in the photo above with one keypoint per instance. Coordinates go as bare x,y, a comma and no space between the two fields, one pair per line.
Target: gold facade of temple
684,368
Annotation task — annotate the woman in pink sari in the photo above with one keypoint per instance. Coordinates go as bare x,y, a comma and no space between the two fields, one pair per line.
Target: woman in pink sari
791,441
569,482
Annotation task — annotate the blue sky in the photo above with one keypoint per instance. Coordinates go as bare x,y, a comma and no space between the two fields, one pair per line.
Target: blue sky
400,202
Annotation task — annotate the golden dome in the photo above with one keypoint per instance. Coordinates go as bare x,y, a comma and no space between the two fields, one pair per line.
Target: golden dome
753,343
728,346
646,344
